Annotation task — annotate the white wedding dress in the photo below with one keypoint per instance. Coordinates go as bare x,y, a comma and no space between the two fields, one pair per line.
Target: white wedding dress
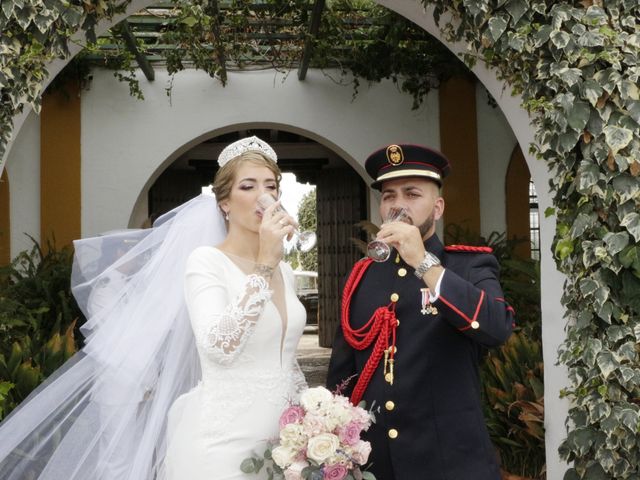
246,335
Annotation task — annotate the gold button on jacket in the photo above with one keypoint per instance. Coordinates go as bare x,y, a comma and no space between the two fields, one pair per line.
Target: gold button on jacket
395,297
393,433
389,405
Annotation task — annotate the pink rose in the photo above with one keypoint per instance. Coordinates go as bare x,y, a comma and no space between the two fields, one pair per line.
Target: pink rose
361,451
293,414
350,433
335,472
294,472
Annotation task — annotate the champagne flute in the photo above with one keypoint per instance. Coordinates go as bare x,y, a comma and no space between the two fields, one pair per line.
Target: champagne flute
377,250
303,241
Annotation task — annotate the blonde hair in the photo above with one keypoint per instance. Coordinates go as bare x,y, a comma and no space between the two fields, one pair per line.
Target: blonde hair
223,181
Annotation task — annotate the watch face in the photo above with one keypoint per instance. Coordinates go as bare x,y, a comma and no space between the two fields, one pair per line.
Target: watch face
432,259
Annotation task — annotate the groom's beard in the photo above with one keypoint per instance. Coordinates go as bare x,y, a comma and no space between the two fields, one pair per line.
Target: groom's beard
427,225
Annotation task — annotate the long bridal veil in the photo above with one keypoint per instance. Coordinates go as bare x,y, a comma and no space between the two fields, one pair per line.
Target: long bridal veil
103,414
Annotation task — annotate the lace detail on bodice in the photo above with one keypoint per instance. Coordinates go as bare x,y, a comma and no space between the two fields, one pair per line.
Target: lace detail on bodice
227,393
225,334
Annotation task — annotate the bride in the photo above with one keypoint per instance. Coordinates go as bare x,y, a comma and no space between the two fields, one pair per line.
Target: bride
190,343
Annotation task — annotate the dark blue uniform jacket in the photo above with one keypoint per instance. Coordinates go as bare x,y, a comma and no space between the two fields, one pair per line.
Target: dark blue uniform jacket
434,404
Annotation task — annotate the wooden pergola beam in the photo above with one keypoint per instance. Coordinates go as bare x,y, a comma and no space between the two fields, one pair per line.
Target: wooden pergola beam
132,46
314,28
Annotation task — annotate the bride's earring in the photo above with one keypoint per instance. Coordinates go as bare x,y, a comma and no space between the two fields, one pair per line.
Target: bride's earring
226,216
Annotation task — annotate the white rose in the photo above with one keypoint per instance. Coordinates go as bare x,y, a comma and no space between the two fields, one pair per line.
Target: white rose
336,416
322,447
313,398
292,436
283,456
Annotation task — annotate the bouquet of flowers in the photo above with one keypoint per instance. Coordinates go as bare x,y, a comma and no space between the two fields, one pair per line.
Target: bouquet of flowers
319,439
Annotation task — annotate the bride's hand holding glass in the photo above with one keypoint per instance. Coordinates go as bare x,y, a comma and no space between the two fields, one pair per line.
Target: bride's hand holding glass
304,241
276,225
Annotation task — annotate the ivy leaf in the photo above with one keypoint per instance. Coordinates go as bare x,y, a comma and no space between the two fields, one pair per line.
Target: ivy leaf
189,21
581,440
595,15
517,8
591,351
592,91
578,116
591,39
7,8
629,90
608,79
72,15
616,242
631,290
630,258
634,110
588,286
629,418
617,137
560,39
542,35
588,176
626,187
497,26
565,142
564,248
606,363
631,222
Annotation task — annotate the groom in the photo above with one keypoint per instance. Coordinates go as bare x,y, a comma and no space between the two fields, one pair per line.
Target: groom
414,329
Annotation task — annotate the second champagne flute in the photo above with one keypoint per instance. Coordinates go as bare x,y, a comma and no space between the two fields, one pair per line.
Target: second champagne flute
377,250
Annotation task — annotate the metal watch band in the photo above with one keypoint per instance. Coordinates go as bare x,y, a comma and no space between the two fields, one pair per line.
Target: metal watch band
429,261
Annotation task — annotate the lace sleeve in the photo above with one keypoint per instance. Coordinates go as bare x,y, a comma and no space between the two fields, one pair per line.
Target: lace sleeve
222,325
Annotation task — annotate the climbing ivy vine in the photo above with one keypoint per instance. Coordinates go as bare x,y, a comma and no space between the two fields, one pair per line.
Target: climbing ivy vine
576,66
575,63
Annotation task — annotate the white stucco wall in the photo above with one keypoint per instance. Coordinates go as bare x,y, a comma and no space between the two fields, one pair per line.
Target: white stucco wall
496,142
127,143
23,168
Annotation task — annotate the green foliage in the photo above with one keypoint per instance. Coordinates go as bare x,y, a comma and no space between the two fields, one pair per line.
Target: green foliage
308,220
34,33
38,318
513,394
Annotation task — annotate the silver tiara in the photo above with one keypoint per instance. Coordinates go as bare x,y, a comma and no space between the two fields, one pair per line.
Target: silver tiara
249,144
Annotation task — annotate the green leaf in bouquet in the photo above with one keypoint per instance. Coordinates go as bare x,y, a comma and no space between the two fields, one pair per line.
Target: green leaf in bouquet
368,476
312,472
249,465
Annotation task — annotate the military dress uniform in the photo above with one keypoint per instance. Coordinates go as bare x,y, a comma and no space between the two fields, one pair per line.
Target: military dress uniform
429,420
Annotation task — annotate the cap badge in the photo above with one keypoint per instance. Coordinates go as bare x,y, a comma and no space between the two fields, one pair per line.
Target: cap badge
395,155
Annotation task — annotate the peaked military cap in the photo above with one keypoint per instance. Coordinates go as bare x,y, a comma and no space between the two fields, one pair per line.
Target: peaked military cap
406,160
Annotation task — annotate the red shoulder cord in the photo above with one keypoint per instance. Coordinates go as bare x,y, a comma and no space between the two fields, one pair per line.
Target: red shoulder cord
380,327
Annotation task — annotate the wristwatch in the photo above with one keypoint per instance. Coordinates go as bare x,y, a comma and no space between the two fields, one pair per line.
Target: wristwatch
430,260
